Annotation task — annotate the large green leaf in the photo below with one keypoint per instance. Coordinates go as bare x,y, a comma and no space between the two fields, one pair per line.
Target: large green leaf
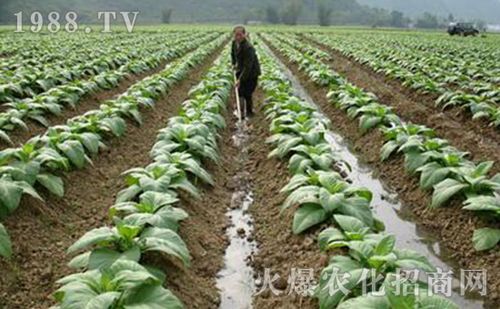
483,203
306,216
409,259
432,174
92,237
53,183
329,235
349,224
152,297
329,201
195,168
367,302
367,122
426,301
285,146
296,181
5,244
358,208
77,290
386,245
103,257
328,291
165,240
128,194
444,190
74,151
116,125
90,141
302,195
485,238
184,184
387,150
10,194
103,301
4,136
414,159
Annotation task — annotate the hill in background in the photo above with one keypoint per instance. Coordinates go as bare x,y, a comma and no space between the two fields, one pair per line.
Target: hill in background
234,11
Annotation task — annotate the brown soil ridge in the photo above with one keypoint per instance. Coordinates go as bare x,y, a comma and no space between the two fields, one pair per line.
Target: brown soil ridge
41,232
279,250
451,225
455,124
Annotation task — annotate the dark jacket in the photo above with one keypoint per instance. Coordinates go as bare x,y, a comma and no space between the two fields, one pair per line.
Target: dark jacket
246,61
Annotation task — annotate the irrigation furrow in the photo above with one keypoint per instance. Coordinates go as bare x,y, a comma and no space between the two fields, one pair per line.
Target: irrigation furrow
397,218
451,225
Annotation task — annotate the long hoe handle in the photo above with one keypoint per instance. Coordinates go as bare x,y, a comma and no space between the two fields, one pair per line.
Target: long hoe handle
238,106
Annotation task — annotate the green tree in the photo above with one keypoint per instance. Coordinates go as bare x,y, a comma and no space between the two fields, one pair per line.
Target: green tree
272,16
324,13
427,21
166,15
397,19
291,12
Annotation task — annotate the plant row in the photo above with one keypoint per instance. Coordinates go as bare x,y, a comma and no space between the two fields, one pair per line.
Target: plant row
441,167
32,49
325,199
28,80
146,215
454,64
481,98
41,159
54,100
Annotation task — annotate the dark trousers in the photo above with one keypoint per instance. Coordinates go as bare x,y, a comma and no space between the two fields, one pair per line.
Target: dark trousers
246,91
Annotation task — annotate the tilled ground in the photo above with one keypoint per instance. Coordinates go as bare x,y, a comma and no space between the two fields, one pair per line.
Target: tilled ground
41,232
452,225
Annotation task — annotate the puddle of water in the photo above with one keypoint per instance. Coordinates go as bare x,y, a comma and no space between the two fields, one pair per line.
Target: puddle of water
397,219
235,281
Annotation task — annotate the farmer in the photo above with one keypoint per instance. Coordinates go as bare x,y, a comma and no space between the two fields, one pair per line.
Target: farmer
247,67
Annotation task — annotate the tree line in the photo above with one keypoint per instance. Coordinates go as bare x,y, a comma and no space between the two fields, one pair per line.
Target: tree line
342,12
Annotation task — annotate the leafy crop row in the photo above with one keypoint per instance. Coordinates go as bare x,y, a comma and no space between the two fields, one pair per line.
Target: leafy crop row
54,100
24,76
323,196
145,217
401,58
442,168
39,161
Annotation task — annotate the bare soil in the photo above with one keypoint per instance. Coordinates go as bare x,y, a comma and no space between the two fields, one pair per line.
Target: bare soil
41,232
451,225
